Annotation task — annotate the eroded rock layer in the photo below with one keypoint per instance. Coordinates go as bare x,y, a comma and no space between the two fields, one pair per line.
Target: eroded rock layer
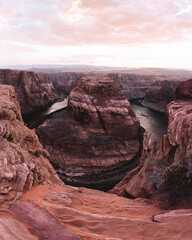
165,172
159,94
132,85
184,90
65,81
96,138
34,90
23,161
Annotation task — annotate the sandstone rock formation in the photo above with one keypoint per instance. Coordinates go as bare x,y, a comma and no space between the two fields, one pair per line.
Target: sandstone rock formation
132,85
54,212
159,94
96,139
65,81
34,90
165,172
23,161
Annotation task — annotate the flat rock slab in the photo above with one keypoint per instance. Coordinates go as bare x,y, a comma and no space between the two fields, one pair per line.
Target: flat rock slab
45,224
170,215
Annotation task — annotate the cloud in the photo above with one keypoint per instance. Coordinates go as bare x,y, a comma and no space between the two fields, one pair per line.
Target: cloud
76,22
46,28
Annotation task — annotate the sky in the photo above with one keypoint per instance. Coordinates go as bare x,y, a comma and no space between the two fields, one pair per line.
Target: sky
122,33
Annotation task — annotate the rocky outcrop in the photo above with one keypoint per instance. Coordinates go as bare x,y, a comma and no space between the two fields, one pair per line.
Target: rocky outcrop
34,90
65,81
165,172
159,94
133,86
23,161
96,139
54,212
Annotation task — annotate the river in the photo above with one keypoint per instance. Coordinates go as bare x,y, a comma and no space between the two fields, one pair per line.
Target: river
150,120
37,118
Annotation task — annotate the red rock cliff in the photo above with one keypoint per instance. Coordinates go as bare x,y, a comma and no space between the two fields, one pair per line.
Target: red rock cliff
165,172
23,161
34,90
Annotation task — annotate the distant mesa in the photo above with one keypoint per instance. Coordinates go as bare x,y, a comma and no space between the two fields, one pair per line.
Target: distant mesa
96,139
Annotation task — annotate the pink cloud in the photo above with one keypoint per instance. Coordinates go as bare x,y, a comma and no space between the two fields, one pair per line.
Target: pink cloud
76,22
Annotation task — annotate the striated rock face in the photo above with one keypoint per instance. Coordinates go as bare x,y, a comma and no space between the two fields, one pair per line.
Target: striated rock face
65,81
184,90
165,172
159,94
96,139
132,85
34,90
23,161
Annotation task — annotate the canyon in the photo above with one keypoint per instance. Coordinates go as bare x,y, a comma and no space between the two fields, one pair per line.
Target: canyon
156,88
65,81
152,202
97,138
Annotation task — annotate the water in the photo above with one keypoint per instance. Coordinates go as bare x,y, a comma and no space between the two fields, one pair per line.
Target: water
150,120
56,106
37,118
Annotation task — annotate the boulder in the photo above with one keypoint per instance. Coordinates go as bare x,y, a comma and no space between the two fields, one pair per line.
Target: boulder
34,90
96,139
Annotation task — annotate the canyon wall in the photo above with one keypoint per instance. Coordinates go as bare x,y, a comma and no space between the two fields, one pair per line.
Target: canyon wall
23,161
159,94
65,81
162,91
165,172
34,90
132,85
